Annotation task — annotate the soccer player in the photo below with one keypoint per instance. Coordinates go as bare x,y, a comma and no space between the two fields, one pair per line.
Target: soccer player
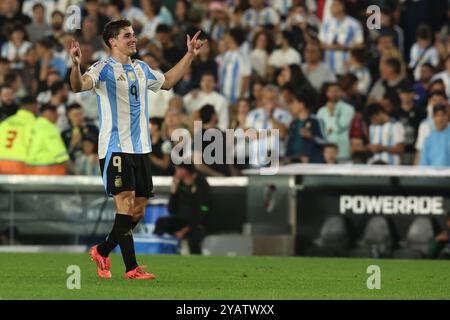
121,86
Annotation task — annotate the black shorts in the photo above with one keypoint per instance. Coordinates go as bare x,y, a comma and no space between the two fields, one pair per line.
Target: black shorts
127,172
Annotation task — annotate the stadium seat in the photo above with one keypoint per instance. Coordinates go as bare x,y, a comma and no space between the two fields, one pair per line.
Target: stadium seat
334,239
418,239
377,241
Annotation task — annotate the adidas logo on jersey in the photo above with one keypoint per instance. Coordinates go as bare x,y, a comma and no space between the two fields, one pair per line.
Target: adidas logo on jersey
121,78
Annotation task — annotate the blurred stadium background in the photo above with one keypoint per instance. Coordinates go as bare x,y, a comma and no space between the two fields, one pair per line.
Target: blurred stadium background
370,180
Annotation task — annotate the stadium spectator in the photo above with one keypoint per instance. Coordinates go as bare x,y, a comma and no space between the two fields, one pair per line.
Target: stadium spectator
16,48
337,117
422,51
436,147
205,63
386,136
161,149
189,206
391,79
259,15
114,9
358,67
15,133
11,15
203,158
284,54
234,71
55,38
338,34
241,151
330,153
86,163
89,35
8,105
47,154
422,86
445,75
425,127
306,136
91,9
77,131
171,54
314,69
259,56
293,77
196,99
38,28
218,24
152,10
49,61
410,116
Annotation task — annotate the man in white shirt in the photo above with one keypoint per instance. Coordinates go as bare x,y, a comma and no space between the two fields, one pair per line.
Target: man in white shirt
338,35
196,99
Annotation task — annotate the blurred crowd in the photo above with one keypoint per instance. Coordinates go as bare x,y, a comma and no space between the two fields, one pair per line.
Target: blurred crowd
337,89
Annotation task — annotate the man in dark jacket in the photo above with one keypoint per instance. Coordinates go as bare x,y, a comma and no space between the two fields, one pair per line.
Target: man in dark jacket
189,205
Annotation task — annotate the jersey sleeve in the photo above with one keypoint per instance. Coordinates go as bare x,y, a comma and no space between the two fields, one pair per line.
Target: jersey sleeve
155,79
95,72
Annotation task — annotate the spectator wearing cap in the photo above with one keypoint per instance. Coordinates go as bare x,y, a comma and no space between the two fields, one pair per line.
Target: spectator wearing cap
8,105
306,136
207,95
161,149
427,125
422,51
314,69
38,28
189,207
386,136
15,133
410,116
77,131
219,23
234,70
47,154
338,34
337,118
436,148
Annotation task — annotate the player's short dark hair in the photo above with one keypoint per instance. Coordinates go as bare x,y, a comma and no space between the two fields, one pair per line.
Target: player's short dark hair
373,110
207,112
157,121
395,64
112,29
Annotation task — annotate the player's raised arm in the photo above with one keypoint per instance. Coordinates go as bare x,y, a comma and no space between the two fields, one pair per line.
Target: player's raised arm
176,73
78,83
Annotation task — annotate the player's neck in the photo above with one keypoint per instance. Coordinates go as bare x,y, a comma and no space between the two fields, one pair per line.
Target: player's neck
121,58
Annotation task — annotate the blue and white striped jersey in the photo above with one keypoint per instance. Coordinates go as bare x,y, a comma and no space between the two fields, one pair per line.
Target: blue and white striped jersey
347,32
122,94
388,134
253,18
233,68
418,56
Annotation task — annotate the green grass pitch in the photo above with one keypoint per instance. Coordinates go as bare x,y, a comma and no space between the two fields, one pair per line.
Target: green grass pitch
43,276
